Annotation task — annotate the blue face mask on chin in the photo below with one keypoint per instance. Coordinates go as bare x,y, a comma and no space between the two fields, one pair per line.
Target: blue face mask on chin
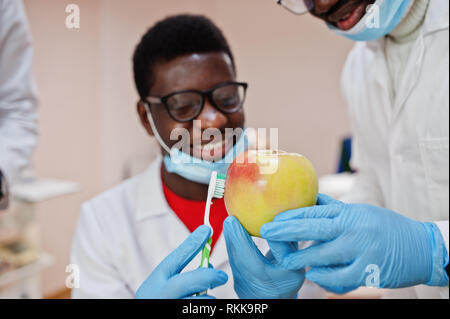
192,168
198,170
390,13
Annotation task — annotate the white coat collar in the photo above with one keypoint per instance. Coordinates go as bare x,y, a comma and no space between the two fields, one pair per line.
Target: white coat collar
437,16
436,19
150,196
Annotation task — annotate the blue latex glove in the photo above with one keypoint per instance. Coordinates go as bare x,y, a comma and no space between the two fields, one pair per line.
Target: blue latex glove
166,281
350,238
256,276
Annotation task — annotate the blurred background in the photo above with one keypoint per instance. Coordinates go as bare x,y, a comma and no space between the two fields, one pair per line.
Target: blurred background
89,130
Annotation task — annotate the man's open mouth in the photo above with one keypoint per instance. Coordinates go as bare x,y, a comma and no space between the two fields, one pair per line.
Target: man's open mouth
346,14
213,150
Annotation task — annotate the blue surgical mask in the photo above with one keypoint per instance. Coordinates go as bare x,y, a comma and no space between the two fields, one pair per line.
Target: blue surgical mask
198,170
372,27
192,168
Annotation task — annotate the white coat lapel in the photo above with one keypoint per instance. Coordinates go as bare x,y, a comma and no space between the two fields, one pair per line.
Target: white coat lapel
379,71
410,76
159,231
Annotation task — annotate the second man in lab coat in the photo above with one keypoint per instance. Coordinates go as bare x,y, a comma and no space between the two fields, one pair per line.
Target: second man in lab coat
394,228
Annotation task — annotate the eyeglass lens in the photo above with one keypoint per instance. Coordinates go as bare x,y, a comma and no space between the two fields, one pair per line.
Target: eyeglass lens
187,105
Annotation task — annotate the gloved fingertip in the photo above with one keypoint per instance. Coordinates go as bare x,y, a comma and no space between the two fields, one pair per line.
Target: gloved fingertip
223,277
202,233
290,264
263,230
313,276
268,230
231,225
231,221
216,278
287,215
203,230
226,226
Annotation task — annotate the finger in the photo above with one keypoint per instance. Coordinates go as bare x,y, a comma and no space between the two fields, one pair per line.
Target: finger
180,257
336,252
336,279
324,211
279,250
301,230
191,282
323,199
241,248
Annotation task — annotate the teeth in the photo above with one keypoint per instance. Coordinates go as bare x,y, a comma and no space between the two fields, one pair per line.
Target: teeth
211,146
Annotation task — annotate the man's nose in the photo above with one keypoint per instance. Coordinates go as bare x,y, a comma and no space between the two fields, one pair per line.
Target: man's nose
210,117
323,6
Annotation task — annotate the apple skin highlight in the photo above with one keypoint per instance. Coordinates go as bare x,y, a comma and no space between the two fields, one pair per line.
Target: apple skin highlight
255,196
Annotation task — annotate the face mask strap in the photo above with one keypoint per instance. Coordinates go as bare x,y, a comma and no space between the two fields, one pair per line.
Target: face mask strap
173,151
155,131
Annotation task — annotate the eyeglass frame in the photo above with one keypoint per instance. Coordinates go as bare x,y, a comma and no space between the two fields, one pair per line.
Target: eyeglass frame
205,94
281,3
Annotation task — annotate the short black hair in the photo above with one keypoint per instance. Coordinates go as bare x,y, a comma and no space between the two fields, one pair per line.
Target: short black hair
173,37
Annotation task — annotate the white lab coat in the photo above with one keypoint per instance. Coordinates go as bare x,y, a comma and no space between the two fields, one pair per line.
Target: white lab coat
18,117
124,233
401,146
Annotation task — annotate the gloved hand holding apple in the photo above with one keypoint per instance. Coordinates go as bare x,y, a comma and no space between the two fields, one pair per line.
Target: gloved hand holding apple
263,184
260,184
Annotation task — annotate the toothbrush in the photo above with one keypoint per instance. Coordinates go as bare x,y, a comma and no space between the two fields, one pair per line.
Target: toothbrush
216,189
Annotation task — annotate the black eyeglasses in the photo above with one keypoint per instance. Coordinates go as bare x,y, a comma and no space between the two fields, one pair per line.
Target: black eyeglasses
297,6
184,106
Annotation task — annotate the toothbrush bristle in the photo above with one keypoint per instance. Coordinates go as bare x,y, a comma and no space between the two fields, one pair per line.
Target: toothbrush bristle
220,188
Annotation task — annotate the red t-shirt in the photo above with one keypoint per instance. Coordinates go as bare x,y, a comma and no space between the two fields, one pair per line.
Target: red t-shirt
191,212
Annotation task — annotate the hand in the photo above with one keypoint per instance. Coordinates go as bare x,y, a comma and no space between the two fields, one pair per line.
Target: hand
166,282
354,240
256,276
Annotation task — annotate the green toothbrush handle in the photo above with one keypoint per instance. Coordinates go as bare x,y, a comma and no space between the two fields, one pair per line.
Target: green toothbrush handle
204,263
206,251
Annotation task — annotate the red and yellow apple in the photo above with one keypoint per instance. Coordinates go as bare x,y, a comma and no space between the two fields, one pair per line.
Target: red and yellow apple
260,184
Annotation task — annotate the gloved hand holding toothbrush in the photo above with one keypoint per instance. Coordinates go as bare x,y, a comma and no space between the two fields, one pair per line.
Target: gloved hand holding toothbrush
167,282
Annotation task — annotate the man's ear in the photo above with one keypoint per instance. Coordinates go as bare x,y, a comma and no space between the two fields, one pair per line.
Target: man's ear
142,111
